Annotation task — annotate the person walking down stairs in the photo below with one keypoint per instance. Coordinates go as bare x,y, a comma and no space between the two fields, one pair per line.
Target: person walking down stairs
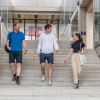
45,50
16,39
76,63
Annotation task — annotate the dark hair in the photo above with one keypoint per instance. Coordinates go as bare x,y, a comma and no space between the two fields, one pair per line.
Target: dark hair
79,36
47,26
15,24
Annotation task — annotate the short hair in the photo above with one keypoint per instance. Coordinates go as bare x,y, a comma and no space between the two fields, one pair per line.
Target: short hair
16,24
47,26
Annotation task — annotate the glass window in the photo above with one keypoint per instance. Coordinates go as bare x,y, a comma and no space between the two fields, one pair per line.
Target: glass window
10,24
29,29
74,27
40,28
97,22
54,27
67,9
62,21
4,12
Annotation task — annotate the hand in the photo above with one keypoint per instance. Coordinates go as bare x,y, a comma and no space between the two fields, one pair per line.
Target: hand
80,52
65,61
57,51
9,48
39,54
25,52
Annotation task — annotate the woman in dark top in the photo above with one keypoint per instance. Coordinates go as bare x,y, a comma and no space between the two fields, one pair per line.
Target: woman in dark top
76,64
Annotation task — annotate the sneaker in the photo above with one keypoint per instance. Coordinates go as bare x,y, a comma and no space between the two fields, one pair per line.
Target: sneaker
76,86
14,79
49,83
43,78
79,82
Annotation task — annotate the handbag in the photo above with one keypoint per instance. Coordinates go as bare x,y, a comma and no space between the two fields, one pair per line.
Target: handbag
6,49
82,56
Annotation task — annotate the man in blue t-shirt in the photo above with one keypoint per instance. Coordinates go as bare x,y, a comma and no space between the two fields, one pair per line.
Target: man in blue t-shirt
16,40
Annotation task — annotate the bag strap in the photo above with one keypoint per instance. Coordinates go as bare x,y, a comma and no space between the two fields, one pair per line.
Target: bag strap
80,46
10,37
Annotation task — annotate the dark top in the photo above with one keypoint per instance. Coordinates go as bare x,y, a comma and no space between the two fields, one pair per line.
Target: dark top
76,46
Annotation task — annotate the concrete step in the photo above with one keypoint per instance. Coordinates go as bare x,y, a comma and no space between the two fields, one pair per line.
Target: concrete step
33,60
62,88
14,97
59,53
31,70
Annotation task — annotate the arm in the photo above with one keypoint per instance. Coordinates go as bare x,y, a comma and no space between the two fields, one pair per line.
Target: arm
39,45
85,51
8,45
55,44
71,51
24,44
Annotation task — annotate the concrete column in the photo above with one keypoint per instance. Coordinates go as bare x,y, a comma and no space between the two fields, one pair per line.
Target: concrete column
82,22
89,30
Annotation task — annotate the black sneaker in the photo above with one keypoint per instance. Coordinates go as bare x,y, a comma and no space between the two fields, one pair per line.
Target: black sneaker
76,86
79,83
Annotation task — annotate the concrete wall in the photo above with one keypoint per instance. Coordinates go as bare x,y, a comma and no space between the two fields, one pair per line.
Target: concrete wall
85,24
82,22
89,30
36,3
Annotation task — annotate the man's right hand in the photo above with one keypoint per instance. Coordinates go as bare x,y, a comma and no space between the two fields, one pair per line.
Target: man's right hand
39,54
9,48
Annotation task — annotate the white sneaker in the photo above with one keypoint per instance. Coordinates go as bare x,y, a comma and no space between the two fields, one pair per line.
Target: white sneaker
43,78
49,83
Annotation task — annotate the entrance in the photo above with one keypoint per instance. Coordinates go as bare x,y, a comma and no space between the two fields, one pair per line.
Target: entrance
34,28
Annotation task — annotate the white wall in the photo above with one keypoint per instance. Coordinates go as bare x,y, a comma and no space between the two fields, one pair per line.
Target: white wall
37,3
89,30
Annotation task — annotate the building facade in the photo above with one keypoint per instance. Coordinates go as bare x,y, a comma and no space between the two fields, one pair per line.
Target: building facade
66,17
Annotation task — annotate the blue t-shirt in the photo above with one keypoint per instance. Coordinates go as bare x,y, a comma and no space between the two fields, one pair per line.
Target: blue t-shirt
16,40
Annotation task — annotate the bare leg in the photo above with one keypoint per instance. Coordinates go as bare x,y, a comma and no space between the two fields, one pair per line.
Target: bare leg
43,68
18,69
50,71
13,68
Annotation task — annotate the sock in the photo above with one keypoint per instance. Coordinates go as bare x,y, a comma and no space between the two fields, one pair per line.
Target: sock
14,75
18,77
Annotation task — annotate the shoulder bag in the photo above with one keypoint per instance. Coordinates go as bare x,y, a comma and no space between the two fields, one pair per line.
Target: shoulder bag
82,56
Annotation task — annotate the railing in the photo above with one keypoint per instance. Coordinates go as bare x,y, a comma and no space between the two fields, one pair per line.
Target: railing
65,40
80,1
3,35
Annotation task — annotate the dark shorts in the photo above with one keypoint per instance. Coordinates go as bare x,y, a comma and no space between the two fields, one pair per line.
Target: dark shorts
49,58
15,55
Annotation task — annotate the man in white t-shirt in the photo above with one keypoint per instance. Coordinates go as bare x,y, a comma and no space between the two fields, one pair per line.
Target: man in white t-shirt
45,50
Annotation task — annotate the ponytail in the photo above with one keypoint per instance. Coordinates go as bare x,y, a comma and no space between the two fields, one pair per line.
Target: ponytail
79,36
81,39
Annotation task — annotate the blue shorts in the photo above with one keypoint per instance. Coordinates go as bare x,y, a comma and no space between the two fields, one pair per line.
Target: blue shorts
49,58
15,55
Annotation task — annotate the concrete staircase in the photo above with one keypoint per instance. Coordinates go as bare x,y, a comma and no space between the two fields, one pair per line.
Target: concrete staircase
31,87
